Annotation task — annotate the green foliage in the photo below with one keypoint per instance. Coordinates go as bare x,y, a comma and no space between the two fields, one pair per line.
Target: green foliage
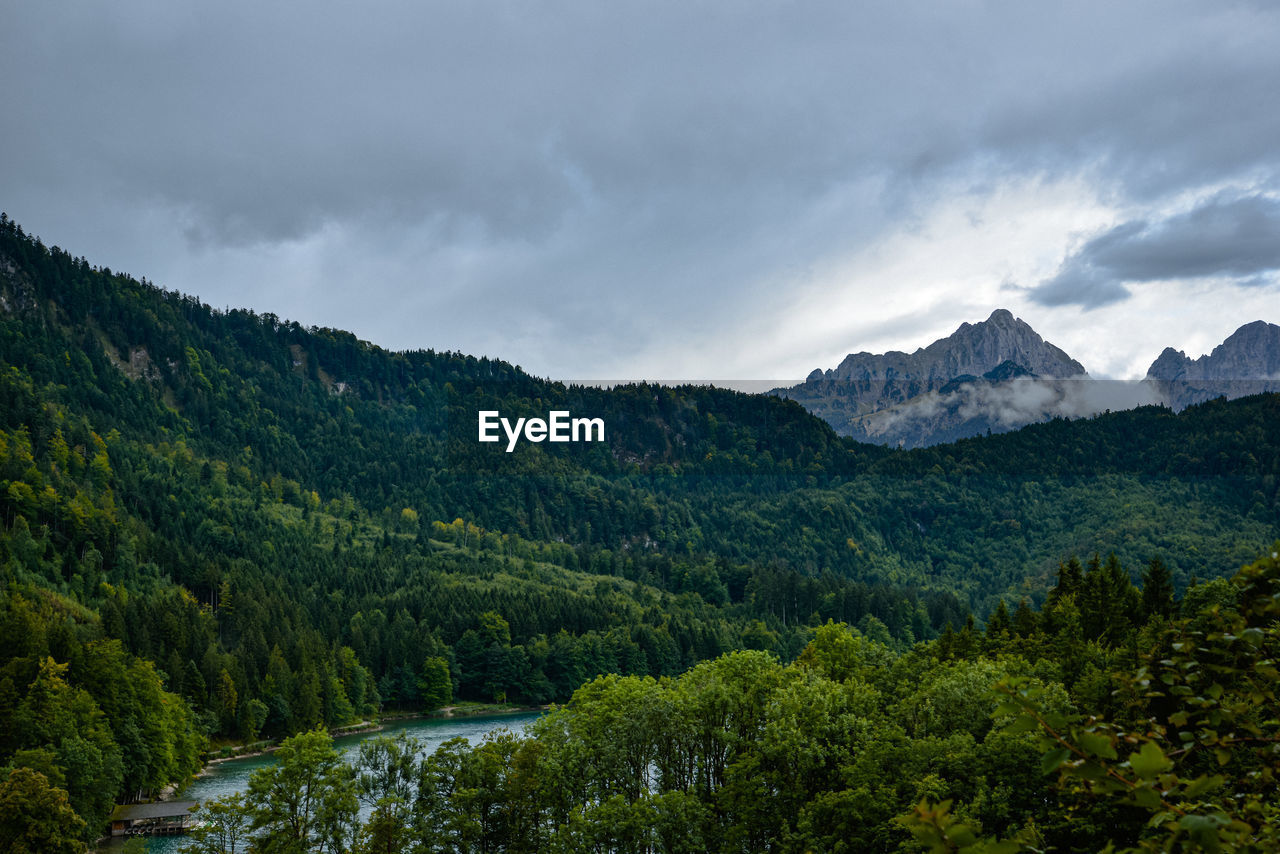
1194,750
35,817
386,771
306,800
840,654
857,748
937,831
1157,591
96,722
224,826
436,685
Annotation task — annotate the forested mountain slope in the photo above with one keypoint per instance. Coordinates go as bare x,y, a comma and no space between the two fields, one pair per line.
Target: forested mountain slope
683,472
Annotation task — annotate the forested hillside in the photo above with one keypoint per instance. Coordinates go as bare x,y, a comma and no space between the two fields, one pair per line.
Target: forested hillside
220,525
1112,719
685,472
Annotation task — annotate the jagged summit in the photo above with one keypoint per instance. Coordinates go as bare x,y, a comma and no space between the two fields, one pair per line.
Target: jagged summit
974,348
1247,362
991,352
1000,375
1169,365
866,382
1251,352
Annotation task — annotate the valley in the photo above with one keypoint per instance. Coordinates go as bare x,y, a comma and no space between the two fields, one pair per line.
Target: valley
222,526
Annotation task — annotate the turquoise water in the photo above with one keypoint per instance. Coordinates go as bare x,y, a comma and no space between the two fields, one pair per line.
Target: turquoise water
226,778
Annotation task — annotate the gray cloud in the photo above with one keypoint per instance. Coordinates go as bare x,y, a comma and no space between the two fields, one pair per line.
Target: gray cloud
1080,284
1231,237
540,181
1226,236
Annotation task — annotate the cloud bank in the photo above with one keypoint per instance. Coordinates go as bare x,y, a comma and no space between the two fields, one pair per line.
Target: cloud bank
1236,238
975,407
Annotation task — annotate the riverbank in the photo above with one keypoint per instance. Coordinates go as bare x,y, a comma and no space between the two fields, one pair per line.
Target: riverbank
431,730
229,752
464,710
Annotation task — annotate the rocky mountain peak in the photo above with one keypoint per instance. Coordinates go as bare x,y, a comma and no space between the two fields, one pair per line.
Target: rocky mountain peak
974,348
999,374
1247,362
998,349
1254,347
1252,352
1169,365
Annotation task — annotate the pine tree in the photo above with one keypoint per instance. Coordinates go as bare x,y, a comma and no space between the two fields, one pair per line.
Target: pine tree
999,622
946,642
1025,623
1157,591
1070,575
1109,603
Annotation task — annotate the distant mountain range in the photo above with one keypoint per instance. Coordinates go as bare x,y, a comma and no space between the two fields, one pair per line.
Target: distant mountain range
1000,375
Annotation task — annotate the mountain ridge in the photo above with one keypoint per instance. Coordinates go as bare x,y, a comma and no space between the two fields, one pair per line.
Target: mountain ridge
908,400
1246,362
864,384
974,348
259,529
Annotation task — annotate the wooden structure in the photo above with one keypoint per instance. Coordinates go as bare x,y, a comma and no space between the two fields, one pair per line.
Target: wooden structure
160,819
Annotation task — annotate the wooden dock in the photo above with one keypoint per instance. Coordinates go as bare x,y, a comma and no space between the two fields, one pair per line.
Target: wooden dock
166,818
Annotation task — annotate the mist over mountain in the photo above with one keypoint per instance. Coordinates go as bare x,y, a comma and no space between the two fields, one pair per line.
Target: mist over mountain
944,391
973,406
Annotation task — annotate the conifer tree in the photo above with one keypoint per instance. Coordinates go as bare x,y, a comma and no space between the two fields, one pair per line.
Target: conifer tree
999,624
1157,591
1024,620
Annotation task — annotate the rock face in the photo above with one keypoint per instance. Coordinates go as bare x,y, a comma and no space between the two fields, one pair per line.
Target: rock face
877,381
1000,375
1248,362
922,385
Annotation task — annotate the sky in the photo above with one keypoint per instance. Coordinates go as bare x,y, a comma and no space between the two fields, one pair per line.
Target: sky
669,191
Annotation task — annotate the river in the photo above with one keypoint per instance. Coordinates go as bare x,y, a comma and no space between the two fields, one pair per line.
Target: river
224,778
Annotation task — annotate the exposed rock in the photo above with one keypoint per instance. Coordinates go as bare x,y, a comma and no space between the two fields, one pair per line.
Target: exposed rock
996,350
137,367
1000,375
17,295
1248,362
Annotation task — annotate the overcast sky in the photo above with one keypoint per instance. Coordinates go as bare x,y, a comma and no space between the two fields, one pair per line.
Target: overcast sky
685,190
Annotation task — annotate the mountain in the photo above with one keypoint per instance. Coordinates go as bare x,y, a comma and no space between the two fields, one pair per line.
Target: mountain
1000,375
686,474
296,415
264,527
937,393
1247,362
